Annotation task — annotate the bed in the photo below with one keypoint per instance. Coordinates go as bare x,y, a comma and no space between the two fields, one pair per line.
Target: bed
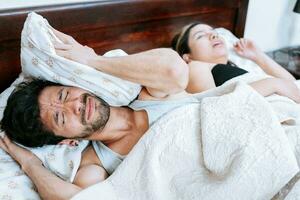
131,25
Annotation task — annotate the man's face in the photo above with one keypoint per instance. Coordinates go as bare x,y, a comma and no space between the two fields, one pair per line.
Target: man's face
72,112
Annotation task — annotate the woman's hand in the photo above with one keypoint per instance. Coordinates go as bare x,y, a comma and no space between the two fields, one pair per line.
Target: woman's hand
73,50
21,155
287,88
247,48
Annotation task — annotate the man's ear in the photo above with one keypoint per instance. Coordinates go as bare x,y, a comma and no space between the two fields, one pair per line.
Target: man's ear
70,142
186,57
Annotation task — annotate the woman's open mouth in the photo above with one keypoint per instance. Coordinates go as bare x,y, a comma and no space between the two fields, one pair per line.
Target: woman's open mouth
217,43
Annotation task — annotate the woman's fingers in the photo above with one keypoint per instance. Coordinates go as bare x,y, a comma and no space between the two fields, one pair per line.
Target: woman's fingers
238,44
237,48
243,43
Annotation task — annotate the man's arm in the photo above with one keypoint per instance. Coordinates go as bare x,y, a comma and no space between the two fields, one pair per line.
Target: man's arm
161,71
48,185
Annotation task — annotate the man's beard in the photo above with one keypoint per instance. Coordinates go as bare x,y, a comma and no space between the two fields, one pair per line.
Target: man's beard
100,122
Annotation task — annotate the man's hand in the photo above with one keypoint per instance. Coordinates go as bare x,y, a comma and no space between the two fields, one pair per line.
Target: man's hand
73,50
247,49
21,155
48,185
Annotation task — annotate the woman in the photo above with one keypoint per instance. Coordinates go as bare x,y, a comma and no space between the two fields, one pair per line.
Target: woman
207,56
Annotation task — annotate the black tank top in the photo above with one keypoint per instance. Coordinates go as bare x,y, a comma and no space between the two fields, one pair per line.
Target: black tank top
223,72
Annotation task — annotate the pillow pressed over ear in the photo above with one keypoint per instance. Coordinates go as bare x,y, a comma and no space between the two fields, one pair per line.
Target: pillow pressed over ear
243,63
39,59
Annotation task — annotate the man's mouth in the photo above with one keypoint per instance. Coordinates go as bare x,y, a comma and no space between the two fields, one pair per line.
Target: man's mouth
90,107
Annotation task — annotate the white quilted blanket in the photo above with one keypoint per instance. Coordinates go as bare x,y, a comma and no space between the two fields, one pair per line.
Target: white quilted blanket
226,147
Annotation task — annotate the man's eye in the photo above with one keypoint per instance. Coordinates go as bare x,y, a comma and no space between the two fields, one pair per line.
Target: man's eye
67,94
63,118
56,117
60,96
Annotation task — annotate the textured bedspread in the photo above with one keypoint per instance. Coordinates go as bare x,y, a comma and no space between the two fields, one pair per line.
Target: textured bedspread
227,147
233,145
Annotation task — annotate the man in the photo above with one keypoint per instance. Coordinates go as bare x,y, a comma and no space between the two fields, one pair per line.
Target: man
52,112
69,112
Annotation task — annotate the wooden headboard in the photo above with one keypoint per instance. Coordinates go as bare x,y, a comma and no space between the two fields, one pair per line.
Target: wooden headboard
132,25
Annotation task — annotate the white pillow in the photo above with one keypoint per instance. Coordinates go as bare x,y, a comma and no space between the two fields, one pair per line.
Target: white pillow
38,59
5,94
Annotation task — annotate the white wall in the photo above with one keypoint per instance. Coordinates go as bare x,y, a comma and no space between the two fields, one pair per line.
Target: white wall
7,4
272,24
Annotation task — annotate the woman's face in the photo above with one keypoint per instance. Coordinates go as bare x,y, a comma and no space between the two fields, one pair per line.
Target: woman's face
205,45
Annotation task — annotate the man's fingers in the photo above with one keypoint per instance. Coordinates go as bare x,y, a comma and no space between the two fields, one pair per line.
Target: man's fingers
3,145
67,39
63,53
63,37
6,140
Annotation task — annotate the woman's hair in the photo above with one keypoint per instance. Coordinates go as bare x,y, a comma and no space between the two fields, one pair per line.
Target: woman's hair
21,118
180,42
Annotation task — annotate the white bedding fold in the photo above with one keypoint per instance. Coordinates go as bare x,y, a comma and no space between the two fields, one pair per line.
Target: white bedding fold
229,147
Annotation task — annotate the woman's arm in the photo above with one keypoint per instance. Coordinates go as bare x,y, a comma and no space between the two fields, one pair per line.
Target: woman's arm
161,71
201,79
48,185
278,86
247,49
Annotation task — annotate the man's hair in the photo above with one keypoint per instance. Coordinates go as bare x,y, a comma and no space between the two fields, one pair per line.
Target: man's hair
21,118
